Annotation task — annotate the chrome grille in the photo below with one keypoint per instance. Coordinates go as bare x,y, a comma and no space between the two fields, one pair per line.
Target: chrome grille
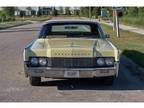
71,62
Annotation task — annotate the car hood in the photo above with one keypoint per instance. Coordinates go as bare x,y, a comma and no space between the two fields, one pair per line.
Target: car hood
72,47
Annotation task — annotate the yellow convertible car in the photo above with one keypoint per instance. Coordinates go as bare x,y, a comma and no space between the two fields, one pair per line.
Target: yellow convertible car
71,48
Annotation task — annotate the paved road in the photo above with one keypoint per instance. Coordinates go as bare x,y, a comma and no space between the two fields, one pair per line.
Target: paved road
15,87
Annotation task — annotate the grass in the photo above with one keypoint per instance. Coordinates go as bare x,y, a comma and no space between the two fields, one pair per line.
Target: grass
131,44
5,25
27,19
33,18
133,21
44,18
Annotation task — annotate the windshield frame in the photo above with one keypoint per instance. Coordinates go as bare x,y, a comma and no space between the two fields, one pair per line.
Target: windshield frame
50,24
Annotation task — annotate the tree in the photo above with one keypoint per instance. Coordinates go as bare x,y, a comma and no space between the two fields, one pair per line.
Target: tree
109,10
141,11
9,12
2,16
132,11
38,13
84,11
22,14
61,10
76,12
95,11
67,11
54,12
81,11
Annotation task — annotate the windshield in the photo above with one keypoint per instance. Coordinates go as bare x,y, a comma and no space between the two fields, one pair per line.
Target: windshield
70,30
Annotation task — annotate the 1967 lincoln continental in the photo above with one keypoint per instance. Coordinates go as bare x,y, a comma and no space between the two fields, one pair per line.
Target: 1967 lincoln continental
71,48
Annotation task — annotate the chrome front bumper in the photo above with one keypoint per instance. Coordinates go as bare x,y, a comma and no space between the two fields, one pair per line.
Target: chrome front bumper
60,72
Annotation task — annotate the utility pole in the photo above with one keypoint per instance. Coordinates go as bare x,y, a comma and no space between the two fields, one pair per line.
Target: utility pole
90,12
117,24
116,21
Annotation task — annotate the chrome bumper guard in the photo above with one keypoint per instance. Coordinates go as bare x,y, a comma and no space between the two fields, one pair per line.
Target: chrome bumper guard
60,72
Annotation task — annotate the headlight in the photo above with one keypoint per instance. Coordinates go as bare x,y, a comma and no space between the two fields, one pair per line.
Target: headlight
100,61
42,61
109,61
34,61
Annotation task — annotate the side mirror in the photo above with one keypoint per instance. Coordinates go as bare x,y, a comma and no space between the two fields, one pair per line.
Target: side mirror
107,35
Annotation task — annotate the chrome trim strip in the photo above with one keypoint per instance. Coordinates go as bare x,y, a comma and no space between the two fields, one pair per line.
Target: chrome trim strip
85,72
53,68
48,68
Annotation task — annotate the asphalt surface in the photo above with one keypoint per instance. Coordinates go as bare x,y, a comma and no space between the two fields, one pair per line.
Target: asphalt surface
14,87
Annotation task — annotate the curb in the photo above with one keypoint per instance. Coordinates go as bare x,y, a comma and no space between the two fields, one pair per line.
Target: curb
15,25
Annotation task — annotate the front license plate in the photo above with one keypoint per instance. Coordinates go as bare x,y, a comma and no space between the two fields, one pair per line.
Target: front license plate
71,74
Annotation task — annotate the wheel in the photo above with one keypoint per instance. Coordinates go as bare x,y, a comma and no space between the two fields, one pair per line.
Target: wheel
35,81
108,80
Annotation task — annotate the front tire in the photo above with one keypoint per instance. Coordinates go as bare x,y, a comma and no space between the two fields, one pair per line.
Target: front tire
35,81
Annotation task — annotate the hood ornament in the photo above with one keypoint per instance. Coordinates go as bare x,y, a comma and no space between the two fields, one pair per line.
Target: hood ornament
72,44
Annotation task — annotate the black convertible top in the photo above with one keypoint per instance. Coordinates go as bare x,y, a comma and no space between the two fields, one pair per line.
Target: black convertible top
56,21
47,27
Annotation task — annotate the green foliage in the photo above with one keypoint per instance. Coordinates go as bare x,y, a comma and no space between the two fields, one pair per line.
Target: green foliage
9,11
7,14
133,21
95,11
61,10
22,13
110,12
39,14
34,18
2,16
132,11
67,11
141,11
84,11
76,12
133,16
54,12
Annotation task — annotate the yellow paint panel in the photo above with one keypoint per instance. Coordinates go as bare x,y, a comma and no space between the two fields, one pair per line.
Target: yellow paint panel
71,47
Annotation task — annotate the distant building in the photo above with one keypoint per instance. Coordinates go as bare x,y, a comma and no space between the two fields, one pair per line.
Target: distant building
25,11
45,10
104,13
29,11
74,10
